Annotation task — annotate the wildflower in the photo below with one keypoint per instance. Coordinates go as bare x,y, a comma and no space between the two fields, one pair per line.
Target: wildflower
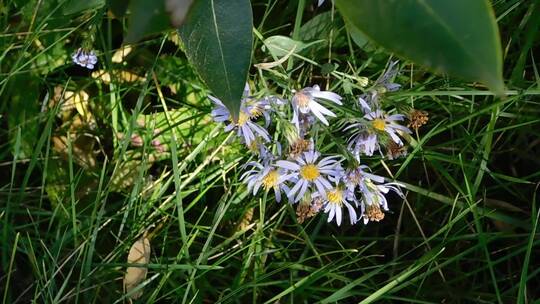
305,102
257,108
335,199
377,127
355,177
84,58
266,176
372,190
247,130
362,141
383,123
308,172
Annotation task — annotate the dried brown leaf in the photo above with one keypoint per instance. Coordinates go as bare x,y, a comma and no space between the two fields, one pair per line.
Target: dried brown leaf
135,275
121,76
121,54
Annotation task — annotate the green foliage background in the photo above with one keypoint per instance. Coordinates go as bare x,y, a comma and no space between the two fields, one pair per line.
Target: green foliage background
141,156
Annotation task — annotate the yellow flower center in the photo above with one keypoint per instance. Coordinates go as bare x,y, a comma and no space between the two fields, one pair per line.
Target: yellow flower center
242,118
302,99
270,180
309,172
335,197
379,124
255,112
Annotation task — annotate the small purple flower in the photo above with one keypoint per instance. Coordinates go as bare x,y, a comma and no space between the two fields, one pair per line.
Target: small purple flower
366,135
372,190
306,100
266,176
337,198
84,58
310,173
247,130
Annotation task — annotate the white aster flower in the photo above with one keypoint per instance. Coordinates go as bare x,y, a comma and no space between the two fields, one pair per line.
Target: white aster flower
372,190
376,128
247,130
336,198
266,176
308,173
262,107
307,100
84,58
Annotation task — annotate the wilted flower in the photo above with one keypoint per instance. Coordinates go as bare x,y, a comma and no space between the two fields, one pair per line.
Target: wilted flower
305,102
394,150
308,208
84,58
310,173
299,146
418,118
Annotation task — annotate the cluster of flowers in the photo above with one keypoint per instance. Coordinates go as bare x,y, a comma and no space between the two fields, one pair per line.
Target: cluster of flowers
86,59
302,174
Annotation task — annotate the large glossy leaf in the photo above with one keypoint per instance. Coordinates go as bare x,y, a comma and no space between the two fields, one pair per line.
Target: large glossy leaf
218,40
458,37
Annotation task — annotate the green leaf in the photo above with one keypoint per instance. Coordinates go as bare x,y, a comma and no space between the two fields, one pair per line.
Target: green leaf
357,36
76,6
147,17
24,108
280,46
319,26
217,35
458,37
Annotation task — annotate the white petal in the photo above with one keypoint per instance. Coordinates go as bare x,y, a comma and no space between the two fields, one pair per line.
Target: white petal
315,106
332,212
328,96
285,164
320,116
302,190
